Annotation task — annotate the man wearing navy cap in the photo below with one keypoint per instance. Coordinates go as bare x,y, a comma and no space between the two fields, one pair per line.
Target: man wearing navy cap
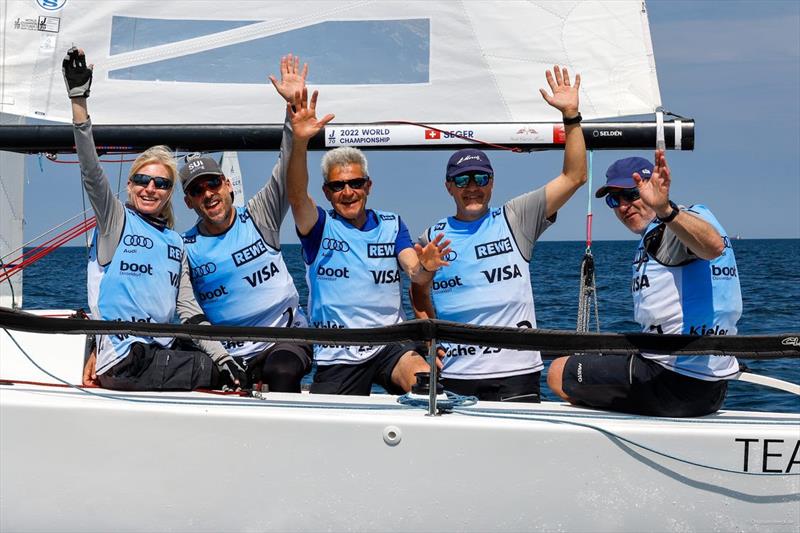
684,281
488,280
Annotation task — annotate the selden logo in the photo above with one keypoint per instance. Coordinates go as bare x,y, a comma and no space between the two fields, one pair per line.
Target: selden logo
174,253
247,254
380,249
489,249
138,241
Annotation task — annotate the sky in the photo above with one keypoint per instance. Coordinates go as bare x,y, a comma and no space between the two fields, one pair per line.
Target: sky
732,66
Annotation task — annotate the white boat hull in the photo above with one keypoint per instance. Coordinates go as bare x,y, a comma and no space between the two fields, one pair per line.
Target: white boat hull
72,460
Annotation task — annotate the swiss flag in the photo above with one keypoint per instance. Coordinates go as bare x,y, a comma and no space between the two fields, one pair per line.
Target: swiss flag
433,134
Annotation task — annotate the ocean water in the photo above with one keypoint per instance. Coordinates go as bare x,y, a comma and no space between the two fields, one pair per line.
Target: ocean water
768,272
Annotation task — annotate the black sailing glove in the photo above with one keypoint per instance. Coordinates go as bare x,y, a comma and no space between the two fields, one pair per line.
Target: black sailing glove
231,372
77,75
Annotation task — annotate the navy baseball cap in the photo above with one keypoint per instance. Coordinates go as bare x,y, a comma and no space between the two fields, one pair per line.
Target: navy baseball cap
468,160
620,174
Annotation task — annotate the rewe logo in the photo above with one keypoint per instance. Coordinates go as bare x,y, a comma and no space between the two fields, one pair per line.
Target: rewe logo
260,276
136,268
380,249
174,253
247,254
489,249
385,276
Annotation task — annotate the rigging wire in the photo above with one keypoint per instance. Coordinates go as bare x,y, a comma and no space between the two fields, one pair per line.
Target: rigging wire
587,296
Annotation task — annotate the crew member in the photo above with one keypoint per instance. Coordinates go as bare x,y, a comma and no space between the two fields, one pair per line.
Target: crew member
488,281
684,281
234,256
353,258
134,266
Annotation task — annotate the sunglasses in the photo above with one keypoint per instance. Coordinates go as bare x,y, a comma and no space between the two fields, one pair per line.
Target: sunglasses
481,180
199,188
629,195
338,186
143,180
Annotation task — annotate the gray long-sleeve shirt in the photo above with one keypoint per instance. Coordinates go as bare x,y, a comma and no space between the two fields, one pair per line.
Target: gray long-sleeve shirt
110,213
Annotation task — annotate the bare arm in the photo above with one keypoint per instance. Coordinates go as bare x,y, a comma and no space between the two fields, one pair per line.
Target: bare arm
421,302
573,174
698,235
420,263
304,126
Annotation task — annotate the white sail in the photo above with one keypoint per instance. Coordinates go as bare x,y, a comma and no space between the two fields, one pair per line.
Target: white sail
12,171
230,167
201,63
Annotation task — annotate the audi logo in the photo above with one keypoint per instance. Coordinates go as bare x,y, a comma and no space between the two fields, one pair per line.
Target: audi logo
451,256
333,244
137,240
203,270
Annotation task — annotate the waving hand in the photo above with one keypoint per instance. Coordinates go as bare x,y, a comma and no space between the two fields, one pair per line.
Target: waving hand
293,79
304,116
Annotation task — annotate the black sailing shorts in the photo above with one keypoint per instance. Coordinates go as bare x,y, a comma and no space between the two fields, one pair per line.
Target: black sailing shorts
149,367
522,388
357,379
635,384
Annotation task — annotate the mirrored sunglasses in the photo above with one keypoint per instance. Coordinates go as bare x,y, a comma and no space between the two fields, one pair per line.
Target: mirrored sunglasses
199,188
480,179
143,180
613,199
355,184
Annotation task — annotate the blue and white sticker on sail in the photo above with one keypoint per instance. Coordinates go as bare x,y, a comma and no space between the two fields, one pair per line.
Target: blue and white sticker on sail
51,5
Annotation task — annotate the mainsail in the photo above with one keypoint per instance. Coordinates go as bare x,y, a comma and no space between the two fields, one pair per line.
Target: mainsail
195,62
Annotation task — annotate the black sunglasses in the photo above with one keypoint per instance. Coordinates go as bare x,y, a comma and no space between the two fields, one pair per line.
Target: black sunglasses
338,186
143,180
481,179
199,188
629,195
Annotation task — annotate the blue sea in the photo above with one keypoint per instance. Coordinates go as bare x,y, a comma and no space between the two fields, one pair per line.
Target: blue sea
767,270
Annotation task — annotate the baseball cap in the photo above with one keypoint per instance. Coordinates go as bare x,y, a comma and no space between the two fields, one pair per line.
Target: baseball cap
620,174
197,166
466,160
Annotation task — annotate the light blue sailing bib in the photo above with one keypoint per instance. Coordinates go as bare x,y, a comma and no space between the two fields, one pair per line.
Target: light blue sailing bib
240,280
699,298
140,284
354,282
487,283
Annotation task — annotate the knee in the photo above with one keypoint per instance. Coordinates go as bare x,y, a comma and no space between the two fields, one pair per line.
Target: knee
554,376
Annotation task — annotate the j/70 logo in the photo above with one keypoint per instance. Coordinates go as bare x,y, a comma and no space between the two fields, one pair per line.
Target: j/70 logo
137,240
334,244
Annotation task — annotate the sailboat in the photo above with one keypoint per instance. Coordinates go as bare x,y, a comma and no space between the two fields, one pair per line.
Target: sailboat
73,458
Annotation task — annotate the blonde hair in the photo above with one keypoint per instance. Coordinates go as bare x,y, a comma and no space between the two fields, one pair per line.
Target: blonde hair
164,156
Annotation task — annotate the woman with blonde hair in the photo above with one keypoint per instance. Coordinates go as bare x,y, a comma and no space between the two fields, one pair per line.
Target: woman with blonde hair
135,265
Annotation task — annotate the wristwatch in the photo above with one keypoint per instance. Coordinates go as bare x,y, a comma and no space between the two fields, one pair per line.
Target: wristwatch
669,218
573,120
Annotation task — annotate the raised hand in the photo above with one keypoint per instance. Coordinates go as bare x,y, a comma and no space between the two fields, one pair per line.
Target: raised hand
655,191
77,76
565,95
432,256
304,115
293,79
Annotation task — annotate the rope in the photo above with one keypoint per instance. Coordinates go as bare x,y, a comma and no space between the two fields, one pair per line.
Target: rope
453,134
587,295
